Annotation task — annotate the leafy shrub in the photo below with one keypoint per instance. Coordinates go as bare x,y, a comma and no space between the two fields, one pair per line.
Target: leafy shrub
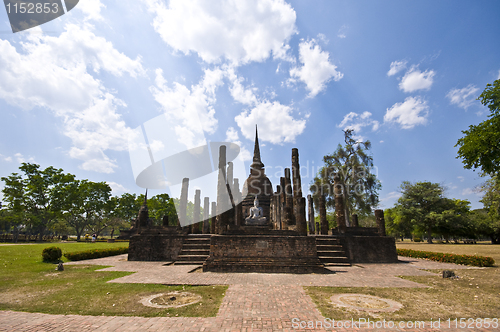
51,254
95,253
417,239
448,258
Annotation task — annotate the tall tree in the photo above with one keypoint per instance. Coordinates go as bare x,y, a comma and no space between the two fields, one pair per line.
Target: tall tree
419,204
162,205
73,197
96,206
128,206
353,164
491,202
480,147
38,193
453,218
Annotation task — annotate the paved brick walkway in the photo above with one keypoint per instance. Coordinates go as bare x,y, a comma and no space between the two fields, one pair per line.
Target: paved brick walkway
253,301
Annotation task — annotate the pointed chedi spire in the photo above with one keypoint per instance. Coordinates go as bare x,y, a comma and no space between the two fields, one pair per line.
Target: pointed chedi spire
257,163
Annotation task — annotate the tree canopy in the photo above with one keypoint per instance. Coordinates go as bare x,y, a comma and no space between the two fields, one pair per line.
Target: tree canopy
49,200
480,147
353,164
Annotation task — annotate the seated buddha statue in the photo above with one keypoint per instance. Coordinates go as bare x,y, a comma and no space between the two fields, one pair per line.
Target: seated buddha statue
256,216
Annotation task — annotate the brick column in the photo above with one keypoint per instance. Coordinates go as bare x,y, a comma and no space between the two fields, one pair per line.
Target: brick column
379,216
322,215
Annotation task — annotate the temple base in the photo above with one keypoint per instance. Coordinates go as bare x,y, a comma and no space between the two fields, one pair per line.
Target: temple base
263,253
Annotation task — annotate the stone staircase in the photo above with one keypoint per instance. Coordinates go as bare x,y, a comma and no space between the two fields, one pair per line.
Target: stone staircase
330,251
195,250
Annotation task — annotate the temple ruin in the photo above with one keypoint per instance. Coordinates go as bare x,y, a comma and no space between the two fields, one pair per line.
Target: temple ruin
258,229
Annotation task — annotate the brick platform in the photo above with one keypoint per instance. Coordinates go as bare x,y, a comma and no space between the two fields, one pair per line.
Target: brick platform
253,301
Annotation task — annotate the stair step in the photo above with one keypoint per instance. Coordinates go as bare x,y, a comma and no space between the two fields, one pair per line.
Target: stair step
192,257
195,246
196,241
189,262
327,242
195,252
326,259
331,254
337,264
329,247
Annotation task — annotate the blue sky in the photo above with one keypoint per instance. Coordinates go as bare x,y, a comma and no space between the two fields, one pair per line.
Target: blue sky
403,74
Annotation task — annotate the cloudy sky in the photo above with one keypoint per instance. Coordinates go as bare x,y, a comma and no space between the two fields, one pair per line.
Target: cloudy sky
403,74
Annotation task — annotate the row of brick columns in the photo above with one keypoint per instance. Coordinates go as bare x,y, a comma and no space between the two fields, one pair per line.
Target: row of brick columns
223,212
287,204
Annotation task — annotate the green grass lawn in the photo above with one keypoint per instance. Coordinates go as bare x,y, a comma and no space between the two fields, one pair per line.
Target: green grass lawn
474,294
483,249
28,284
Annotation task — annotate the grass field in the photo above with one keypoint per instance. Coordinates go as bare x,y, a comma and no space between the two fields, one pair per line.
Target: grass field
489,250
28,284
474,294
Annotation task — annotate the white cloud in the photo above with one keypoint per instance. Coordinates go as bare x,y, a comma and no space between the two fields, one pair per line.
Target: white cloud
463,97
356,121
461,178
91,9
274,120
342,32
391,195
239,31
390,199
186,105
95,130
316,68
396,67
232,136
21,159
414,80
117,188
413,111
239,93
498,78
51,73
470,191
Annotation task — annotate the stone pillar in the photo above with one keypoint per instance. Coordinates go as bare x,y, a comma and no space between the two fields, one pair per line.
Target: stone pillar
222,195
297,185
300,216
195,227
289,220
379,216
238,214
282,202
206,215
165,221
299,202
238,218
213,220
236,191
183,202
278,207
230,175
322,215
339,203
317,227
310,214
231,214
355,222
